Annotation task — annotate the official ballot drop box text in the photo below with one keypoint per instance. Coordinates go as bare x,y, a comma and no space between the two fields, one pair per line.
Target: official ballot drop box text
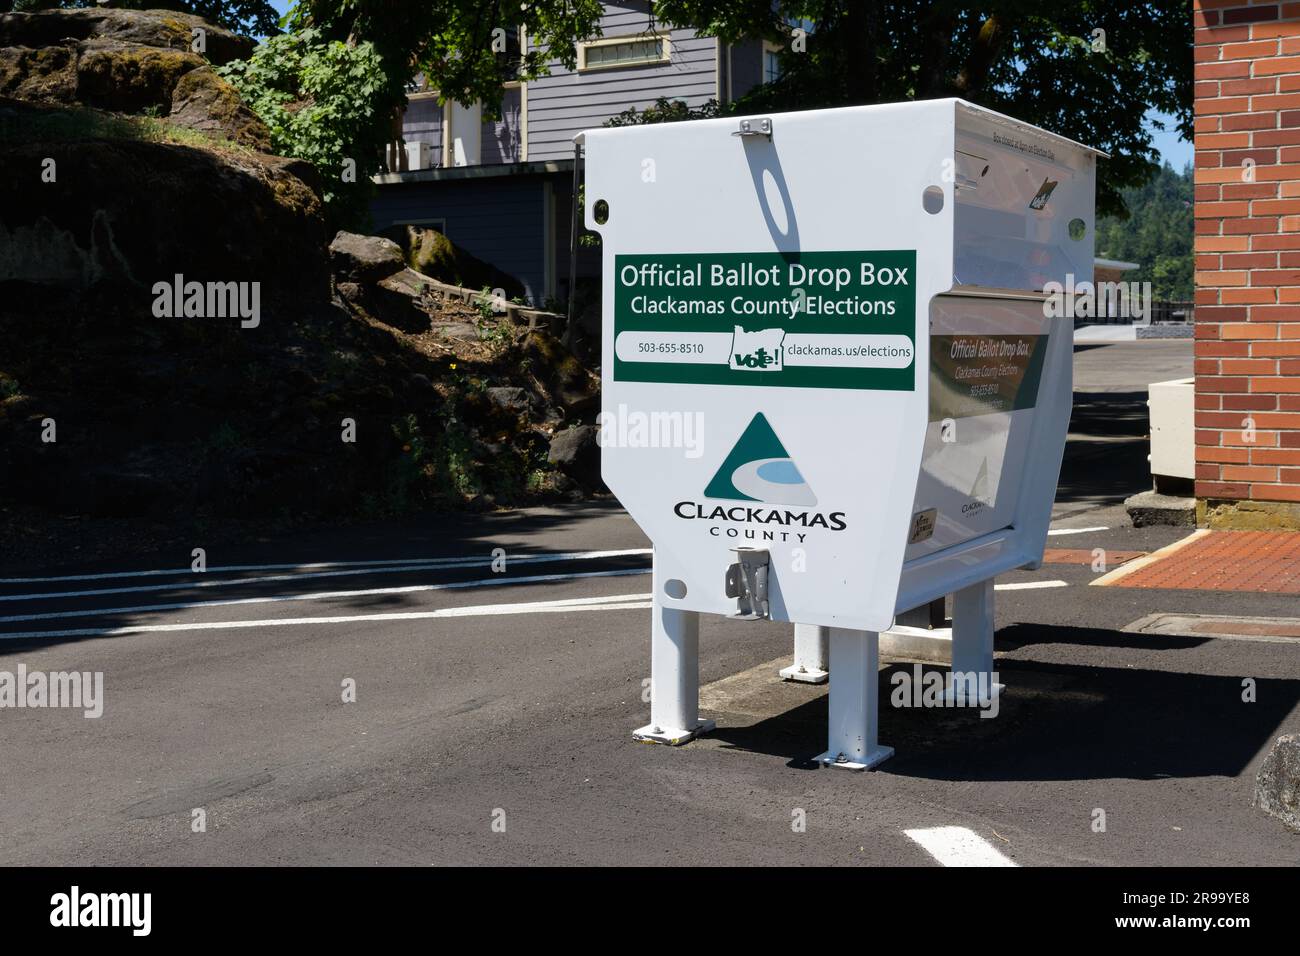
856,310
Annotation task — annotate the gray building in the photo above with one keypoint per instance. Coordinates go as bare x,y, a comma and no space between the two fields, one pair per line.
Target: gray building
502,189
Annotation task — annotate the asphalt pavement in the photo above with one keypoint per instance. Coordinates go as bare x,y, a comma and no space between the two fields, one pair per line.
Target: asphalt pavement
390,694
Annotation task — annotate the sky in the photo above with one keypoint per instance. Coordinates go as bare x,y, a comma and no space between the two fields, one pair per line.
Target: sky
1177,152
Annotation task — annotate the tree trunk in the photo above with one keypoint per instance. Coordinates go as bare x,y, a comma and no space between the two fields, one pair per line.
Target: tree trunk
984,52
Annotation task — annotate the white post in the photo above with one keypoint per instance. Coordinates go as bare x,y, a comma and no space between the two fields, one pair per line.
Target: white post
674,674
972,642
810,655
854,701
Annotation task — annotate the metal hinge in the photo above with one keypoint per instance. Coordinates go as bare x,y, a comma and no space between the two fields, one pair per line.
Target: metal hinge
747,583
747,128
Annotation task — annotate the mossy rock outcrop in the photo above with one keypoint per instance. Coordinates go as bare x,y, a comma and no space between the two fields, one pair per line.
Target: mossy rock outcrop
431,253
129,169
568,382
132,79
129,61
205,102
44,75
167,29
170,209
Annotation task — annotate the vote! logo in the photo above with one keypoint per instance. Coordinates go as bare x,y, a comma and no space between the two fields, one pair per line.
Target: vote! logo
758,468
759,351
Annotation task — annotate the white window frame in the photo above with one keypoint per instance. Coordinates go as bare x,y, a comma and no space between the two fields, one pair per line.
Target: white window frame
768,47
665,51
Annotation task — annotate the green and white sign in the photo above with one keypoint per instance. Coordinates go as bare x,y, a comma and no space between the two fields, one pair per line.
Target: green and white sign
803,320
984,374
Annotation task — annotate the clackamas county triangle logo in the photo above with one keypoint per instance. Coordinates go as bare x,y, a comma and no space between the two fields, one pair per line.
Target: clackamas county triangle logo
758,468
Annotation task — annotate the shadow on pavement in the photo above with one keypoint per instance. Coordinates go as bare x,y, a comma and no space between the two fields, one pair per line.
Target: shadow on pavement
1015,636
1106,455
1055,722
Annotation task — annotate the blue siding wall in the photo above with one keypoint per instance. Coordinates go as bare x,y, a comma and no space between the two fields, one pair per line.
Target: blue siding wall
422,122
499,220
565,103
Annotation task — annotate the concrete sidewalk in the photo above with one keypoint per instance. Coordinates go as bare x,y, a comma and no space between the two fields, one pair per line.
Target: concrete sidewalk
1105,333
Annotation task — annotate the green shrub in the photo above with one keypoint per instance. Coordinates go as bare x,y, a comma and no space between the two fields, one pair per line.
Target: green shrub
320,98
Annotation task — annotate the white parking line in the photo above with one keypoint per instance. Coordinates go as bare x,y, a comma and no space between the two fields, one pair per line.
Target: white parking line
1054,531
323,595
958,846
614,602
408,589
202,580
452,562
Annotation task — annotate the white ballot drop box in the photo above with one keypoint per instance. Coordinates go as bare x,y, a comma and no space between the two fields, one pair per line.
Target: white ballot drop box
835,384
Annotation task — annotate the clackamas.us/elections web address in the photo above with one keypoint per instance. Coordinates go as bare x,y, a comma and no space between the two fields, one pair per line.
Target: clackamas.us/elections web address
848,351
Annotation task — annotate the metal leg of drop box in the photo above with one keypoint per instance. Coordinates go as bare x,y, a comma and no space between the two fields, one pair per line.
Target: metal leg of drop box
811,653
972,643
674,676
854,701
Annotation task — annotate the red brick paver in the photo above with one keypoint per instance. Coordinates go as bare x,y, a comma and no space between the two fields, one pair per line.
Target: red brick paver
1225,561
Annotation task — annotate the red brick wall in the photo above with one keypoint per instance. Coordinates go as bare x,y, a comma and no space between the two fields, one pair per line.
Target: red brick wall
1247,250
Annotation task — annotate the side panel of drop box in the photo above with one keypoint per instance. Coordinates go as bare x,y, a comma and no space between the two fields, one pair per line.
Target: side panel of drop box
1024,213
1023,219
